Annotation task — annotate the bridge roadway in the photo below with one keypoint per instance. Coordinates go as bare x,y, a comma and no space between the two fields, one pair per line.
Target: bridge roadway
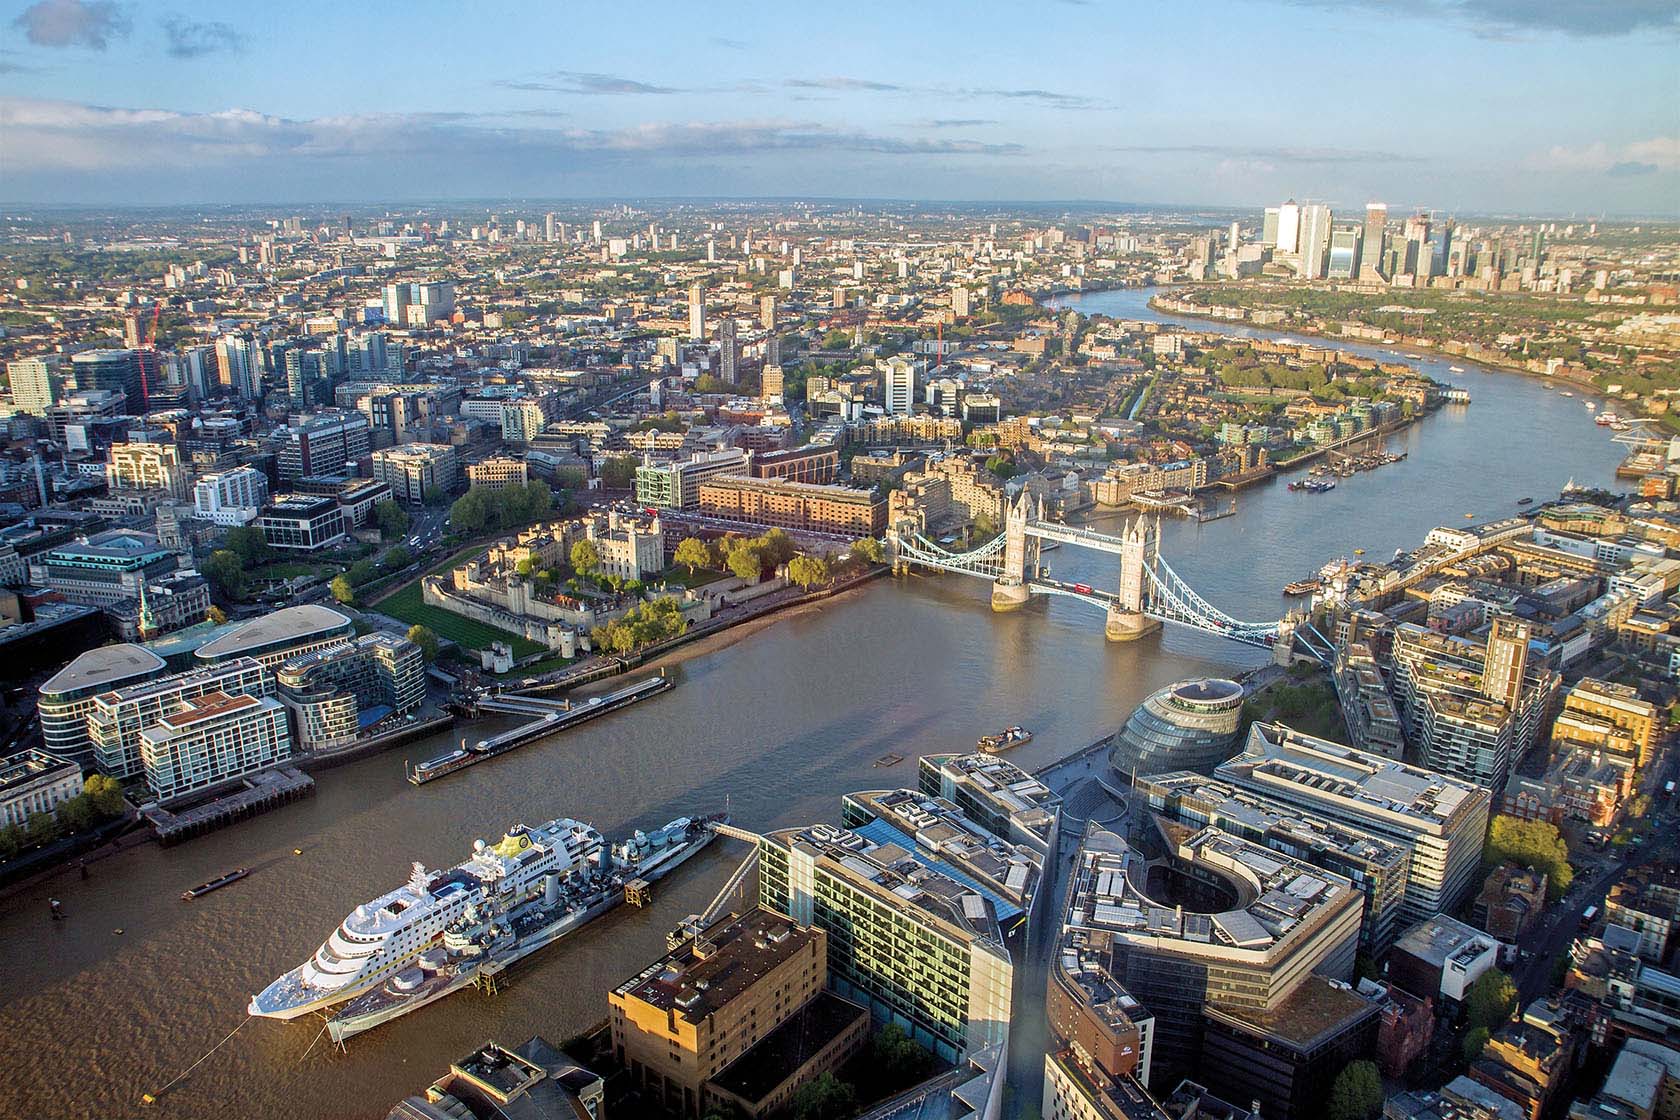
1073,534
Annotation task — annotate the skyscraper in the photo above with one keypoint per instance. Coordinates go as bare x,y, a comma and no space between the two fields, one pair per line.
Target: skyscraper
110,369
696,311
1235,237
238,366
32,384
1344,252
767,312
549,230
727,350
1289,227
1314,244
898,386
1269,228
1371,262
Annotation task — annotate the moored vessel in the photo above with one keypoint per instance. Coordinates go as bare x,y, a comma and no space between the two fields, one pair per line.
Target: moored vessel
1003,740
489,936
215,884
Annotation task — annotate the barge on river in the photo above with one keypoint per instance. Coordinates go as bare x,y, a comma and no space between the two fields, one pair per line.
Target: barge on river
552,717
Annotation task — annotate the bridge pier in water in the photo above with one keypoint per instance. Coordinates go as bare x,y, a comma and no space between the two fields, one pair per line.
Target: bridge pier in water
1012,590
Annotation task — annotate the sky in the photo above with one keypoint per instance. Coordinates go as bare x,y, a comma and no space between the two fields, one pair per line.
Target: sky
1547,107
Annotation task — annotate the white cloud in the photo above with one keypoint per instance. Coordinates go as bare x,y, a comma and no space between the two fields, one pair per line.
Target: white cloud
1661,153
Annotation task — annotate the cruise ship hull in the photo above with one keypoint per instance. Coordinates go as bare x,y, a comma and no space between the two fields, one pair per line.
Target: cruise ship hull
380,1006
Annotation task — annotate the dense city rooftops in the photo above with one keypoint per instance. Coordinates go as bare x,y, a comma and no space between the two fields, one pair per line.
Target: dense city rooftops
1312,1011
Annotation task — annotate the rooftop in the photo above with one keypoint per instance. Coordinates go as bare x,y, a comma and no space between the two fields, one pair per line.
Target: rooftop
106,666
289,624
890,869
1316,1009
1280,758
1441,938
1276,896
706,973
31,765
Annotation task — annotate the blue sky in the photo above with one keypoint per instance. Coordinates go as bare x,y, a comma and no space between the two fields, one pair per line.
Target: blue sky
1538,106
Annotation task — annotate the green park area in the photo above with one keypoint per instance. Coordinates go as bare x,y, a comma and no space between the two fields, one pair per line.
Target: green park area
468,633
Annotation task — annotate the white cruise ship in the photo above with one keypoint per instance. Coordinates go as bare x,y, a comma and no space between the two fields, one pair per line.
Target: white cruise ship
381,937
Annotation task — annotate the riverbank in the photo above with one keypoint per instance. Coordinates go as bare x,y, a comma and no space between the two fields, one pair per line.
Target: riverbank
603,667
1503,365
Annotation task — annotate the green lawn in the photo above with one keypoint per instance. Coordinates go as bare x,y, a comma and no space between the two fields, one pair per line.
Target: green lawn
468,633
679,577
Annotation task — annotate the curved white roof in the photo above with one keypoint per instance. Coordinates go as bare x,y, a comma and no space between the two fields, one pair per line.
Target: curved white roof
293,624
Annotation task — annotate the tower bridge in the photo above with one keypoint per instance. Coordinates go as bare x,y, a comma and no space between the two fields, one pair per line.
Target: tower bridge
1148,594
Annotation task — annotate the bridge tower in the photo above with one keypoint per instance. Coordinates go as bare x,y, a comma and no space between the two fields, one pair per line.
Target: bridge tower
1020,558
1127,620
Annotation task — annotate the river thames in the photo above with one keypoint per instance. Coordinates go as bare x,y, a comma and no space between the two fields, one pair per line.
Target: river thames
774,721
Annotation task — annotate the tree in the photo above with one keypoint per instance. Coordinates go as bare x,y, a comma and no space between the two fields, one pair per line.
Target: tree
826,1098
398,556
619,472
392,518
1490,1000
423,637
776,547
40,828
1002,465
898,1059
1474,1043
215,615
525,567
471,512
1357,1092
1536,844
692,553
869,550
586,558
745,562
362,571
247,543
808,571
434,495
341,589
226,574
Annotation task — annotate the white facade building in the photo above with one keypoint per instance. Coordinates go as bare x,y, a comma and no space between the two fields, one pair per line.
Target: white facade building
230,497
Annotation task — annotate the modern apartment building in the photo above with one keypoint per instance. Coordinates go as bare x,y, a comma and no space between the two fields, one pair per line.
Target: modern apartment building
211,739
334,692
286,633
65,699
118,717
906,940
1474,707
995,794
32,380
1610,717
230,497
1442,819
414,469
677,485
